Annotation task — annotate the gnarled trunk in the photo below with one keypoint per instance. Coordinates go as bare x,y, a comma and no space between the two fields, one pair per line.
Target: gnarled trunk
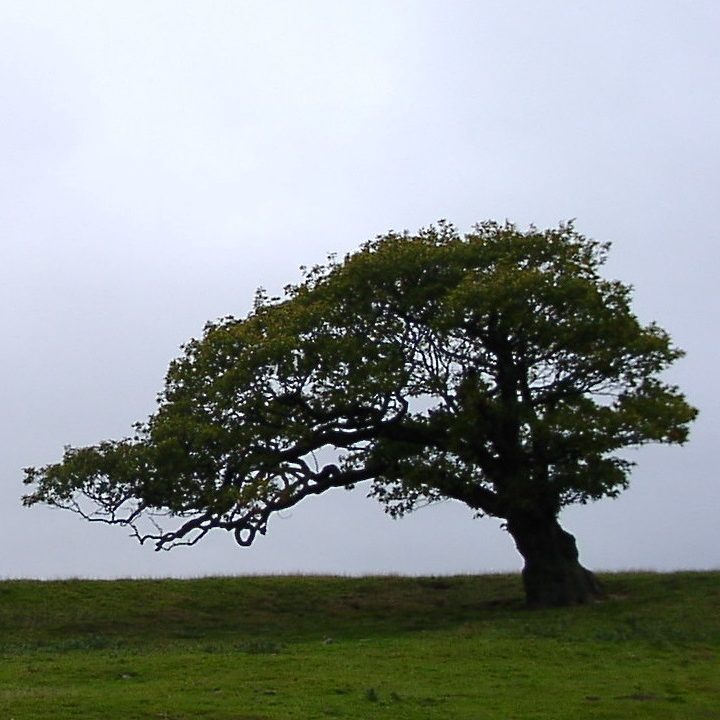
552,575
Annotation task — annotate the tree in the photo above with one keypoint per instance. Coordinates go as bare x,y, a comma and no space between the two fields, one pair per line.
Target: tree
499,369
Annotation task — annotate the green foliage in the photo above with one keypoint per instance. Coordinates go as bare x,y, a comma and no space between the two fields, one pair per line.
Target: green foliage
497,368
410,648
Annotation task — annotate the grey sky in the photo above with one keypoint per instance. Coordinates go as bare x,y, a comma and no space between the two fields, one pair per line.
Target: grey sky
159,160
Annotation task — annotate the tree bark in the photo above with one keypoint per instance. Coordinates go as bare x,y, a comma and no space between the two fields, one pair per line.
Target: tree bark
552,575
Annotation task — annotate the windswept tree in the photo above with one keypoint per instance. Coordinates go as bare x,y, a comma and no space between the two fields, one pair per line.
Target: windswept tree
498,369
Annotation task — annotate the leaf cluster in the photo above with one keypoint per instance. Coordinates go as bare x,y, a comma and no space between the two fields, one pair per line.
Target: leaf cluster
498,368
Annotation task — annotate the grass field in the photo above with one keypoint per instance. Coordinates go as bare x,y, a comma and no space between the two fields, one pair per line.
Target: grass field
326,647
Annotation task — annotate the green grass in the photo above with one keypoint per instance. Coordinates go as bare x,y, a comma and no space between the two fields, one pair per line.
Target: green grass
327,647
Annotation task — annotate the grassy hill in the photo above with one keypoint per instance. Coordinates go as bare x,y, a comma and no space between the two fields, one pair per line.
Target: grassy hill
322,647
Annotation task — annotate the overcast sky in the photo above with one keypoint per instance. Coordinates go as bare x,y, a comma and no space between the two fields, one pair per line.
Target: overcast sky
161,159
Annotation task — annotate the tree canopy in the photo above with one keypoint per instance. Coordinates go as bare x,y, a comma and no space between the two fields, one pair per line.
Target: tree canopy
497,368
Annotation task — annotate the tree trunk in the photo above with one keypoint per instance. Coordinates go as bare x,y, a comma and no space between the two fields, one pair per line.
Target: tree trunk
552,575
